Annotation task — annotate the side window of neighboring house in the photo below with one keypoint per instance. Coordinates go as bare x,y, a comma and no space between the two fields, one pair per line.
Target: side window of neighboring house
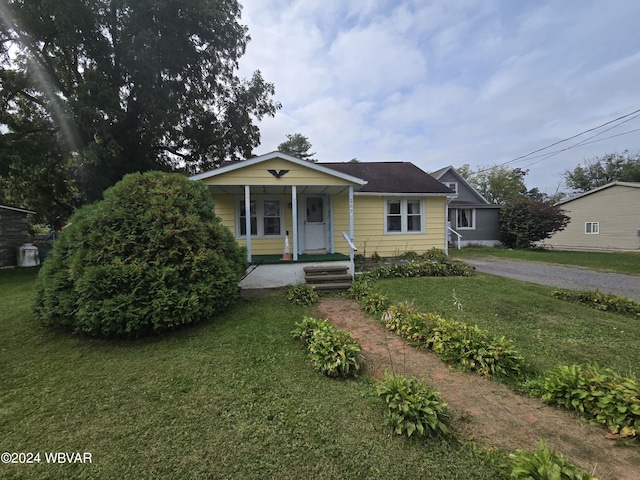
453,186
466,218
592,227
404,216
266,218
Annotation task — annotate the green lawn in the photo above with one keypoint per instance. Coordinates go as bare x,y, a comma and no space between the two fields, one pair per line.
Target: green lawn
620,262
233,398
547,331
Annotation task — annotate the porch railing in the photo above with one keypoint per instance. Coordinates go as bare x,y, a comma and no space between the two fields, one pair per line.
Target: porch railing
352,249
451,230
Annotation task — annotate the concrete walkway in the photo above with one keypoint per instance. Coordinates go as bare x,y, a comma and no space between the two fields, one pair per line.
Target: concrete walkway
571,278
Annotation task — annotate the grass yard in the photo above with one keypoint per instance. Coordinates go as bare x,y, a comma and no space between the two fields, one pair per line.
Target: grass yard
620,262
233,398
548,332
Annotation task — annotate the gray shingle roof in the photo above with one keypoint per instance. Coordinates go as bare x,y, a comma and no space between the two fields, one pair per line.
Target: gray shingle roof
391,177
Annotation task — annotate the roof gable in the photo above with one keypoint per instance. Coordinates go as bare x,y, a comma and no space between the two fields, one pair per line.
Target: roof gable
450,171
391,177
599,189
228,167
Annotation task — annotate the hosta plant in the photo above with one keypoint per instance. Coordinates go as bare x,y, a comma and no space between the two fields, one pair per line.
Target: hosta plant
601,394
302,294
335,353
407,322
360,288
332,352
413,406
544,464
474,349
305,328
601,301
375,303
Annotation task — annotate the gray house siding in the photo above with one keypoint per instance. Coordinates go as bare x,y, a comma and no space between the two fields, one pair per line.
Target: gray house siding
13,233
464,194
485,228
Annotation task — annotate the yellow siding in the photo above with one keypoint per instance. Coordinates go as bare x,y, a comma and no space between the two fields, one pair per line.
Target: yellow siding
258,175
369,221
224,207
368,226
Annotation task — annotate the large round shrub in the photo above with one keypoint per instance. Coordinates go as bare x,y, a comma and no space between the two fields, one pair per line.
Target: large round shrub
149,257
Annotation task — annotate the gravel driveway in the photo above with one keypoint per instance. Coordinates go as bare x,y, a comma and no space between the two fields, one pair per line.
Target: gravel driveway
572,278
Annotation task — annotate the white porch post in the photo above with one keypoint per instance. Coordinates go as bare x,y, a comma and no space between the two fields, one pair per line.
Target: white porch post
294,222
351,232
247,219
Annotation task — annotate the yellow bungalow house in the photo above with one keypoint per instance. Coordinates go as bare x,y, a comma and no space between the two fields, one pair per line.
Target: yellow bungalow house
321,209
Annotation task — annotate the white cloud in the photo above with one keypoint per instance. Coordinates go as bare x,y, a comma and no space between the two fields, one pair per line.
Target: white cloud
442,83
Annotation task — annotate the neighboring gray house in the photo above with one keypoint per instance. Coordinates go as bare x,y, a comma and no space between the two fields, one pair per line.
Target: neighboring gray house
605,218
471,217
13,233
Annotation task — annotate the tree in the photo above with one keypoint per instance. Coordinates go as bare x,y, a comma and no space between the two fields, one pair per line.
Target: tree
498,184
297,145
150,257
527,219
124,86
601,171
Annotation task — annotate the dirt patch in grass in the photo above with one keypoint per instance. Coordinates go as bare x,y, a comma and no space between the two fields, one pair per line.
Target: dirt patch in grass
485,411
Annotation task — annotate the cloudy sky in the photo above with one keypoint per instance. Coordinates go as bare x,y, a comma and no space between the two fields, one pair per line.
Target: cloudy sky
450,82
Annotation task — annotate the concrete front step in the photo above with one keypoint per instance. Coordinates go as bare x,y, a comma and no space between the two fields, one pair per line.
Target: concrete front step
313,279
328,277
332,286
325,270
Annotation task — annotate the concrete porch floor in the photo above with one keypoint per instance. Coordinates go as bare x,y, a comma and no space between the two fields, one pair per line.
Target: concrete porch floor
268,271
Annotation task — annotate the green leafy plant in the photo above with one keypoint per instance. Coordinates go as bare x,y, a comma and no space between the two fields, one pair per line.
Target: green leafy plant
305,328
407,322
335,353
600,301
150,257
602,394
375,303
426,268
413,407
410,255
472,348
376,258
302,294
332,352
544,464
436,254
360,288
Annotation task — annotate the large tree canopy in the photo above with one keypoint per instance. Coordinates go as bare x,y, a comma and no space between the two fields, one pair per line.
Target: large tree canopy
117,86
600,171
498,183
297,145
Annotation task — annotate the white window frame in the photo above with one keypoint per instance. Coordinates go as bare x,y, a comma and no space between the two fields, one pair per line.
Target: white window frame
453,186
259,199
473,219
404,216
591,228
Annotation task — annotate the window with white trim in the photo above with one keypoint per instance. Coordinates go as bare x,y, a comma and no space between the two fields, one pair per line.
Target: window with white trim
466,218
453,186
404,215
592,228
266,218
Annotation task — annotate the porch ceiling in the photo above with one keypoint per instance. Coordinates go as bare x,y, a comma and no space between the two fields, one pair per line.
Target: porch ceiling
280,189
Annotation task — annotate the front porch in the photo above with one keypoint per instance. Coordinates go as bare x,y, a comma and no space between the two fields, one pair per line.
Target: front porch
269,271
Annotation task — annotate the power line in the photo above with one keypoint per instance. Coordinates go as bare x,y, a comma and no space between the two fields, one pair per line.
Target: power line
570,138
552,154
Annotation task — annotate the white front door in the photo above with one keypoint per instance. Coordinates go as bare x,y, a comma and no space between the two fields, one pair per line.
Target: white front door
315,222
